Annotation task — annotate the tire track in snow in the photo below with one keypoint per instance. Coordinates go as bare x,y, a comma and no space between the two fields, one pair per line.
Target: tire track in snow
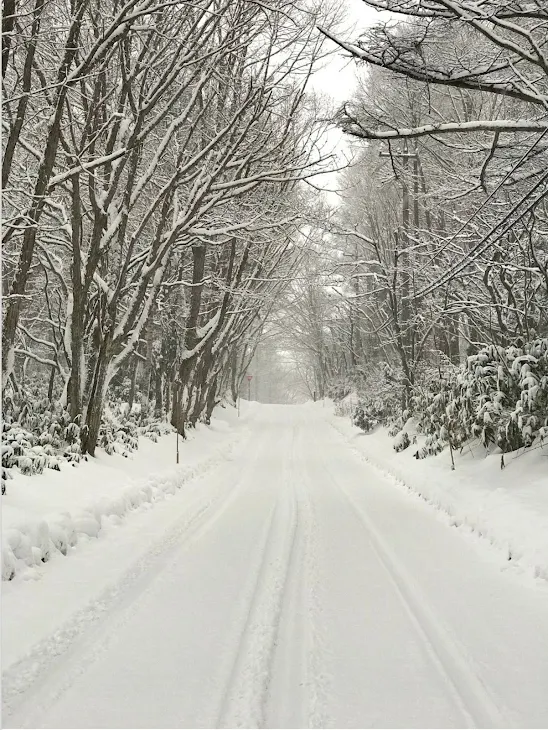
297,689
317,679
471,695
246,691
32,685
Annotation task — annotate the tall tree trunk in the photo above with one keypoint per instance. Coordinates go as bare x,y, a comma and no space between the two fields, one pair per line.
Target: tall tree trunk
211,401
132,383
7,27
167,394
77,314
97,395
38,200
8,20
158,405
51,384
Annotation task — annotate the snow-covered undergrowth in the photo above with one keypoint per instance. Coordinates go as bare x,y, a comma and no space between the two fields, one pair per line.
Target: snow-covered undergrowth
49,513
509,506
38,434
499,397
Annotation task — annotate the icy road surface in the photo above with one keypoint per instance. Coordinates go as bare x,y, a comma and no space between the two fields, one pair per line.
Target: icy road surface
307,590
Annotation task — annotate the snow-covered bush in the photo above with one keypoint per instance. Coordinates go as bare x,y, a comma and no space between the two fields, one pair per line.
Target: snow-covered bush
339,389
118,435
380,398
499,397
362,418
38,433
153,429
402,441
6,475
21,449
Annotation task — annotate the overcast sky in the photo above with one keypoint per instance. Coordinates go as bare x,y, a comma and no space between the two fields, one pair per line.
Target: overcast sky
338,80
338,77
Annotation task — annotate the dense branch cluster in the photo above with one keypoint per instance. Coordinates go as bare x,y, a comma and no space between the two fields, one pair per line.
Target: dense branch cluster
439,248
152,158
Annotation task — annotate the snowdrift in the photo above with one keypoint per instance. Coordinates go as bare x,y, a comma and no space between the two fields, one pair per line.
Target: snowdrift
50,513
509,506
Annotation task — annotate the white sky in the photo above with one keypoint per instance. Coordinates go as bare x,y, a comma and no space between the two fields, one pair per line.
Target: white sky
338,79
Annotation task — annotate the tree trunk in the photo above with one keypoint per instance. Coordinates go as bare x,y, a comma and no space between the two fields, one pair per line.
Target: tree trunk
132,385
77,314
8,19
51,384
36,208
211,401
167,394
158,405
97,396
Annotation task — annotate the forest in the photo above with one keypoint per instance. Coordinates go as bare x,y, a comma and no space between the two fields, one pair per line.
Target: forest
162,221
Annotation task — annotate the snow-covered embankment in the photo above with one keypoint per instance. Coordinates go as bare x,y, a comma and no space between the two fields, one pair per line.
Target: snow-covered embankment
49,514
508,507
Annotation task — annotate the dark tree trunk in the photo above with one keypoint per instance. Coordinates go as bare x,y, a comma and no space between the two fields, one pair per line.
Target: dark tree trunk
211,401
133,381
97,394
158,404
51,384
8,20
38,200
167,394
77,315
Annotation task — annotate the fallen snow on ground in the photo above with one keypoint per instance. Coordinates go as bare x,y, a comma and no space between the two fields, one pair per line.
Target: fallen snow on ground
507,506
291,586
50,513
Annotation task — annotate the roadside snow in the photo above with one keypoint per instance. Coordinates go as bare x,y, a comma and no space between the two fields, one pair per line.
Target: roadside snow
291,586
507,506
51,513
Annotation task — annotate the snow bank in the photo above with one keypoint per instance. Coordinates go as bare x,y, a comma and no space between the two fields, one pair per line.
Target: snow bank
507,506
49,513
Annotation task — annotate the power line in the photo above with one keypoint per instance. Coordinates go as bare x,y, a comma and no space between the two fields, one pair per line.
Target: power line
487,199
484,243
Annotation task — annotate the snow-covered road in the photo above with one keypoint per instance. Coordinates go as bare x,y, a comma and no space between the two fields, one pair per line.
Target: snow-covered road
306,591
